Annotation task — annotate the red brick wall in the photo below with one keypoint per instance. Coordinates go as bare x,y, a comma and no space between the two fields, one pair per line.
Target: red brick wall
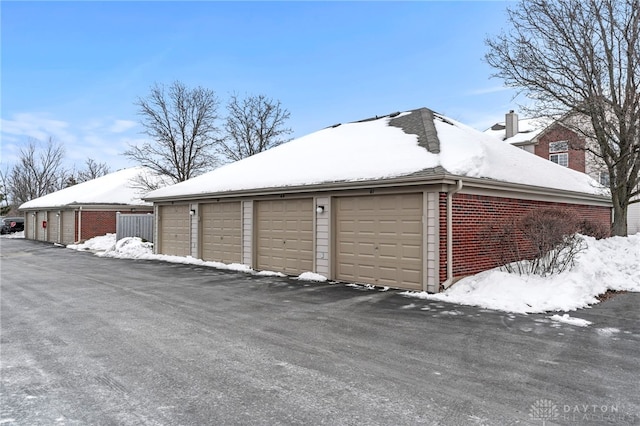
560,133
97,223
474,216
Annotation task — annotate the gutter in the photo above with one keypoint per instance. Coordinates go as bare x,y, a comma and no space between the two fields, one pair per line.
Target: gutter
447,283
405,181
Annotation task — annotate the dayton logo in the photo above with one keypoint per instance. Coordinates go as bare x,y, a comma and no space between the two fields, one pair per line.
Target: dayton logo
544,410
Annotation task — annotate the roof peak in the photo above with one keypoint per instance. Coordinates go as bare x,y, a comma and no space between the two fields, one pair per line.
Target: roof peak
419,122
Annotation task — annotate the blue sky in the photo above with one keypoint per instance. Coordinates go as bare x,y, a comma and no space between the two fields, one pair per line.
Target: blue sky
73,70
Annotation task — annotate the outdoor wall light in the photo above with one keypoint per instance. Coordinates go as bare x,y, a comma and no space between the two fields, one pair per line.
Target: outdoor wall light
192,212
320,209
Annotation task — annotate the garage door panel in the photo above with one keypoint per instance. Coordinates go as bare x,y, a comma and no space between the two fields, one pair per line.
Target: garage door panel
285,235
413,252
379,240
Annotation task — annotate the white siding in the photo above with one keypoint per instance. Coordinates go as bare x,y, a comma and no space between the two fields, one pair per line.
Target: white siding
633,219
195,222
431,234
247,232
322,236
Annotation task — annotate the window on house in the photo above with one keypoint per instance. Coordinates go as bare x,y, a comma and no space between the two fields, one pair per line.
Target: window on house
559,146
561,159
604,178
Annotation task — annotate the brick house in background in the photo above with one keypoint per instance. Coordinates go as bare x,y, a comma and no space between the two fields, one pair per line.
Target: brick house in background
556,142
85,210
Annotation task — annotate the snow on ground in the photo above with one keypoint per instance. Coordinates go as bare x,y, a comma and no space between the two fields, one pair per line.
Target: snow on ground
567,319
135,248
14,235
311,276
103,243
608,264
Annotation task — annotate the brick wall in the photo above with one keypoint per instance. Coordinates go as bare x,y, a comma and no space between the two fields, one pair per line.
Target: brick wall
474,216
97,223
576,157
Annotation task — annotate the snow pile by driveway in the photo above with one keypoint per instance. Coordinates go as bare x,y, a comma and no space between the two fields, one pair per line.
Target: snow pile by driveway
102,243
608,264
135,248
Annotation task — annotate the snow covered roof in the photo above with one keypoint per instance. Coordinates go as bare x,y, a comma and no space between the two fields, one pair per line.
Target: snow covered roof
528,130
113,189
418,143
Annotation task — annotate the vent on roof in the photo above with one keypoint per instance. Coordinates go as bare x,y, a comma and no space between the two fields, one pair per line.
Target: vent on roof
335,125
394,114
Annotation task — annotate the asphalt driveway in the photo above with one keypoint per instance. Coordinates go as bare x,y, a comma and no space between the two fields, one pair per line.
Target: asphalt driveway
90,340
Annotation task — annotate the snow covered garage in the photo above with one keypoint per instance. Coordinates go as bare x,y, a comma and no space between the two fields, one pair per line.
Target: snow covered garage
85,210
402,200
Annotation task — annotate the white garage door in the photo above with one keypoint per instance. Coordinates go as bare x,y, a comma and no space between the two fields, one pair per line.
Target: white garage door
221,232
53,223
284,235
40,227
68,226
174,230
379,240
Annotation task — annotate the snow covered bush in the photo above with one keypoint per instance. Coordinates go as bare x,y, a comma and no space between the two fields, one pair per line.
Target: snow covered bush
542,242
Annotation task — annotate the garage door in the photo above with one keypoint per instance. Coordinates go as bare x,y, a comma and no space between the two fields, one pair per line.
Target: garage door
53,227
40,230
174,230
68,226
221,232
284,235
379,240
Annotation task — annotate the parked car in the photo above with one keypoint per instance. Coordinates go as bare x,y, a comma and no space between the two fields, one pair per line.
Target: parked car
9,225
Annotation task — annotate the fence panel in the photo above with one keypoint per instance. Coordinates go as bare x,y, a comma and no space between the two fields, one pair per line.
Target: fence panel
135,225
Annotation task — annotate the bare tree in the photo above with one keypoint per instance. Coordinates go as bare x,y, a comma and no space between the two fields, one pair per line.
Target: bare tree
581,58
254,124
38,172
181,123
92,170
5,206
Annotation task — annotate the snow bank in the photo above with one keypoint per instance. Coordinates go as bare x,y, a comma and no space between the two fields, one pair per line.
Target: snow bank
14,235
607,264
135,248
311,276
102,243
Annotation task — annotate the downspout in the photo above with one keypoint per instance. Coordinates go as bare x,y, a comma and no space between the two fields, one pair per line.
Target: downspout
80,224
450,193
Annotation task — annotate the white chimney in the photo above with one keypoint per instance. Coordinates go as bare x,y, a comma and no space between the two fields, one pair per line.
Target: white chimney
511,124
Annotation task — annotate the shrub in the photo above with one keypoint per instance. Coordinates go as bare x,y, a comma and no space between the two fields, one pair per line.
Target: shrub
542,242
593,229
